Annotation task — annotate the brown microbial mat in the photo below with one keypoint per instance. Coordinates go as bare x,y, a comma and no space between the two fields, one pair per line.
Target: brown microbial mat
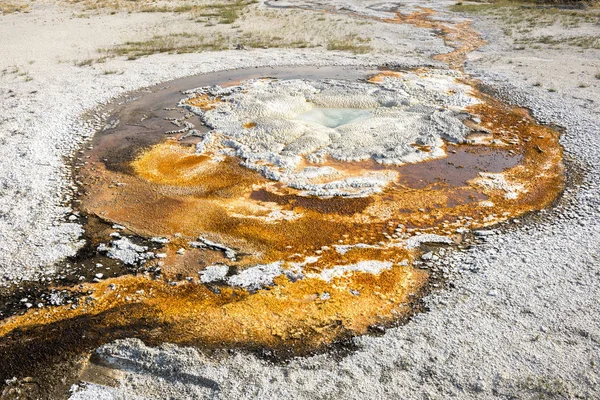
217,255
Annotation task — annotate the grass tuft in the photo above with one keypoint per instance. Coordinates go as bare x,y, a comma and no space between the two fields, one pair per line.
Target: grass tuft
352,43
193,43
10,8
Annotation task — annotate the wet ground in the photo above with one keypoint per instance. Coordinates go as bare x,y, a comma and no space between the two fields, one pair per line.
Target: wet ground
141,300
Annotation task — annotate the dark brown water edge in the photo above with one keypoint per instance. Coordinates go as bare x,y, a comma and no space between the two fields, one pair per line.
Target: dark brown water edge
140,119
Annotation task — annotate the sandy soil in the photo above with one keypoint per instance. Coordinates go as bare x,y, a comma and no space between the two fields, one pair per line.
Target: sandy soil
519,316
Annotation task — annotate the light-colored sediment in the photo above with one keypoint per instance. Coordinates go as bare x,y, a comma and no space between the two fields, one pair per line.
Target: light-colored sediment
381,122
518,322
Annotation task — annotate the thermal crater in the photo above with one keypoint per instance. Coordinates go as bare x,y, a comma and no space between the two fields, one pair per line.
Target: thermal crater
292,213
289,130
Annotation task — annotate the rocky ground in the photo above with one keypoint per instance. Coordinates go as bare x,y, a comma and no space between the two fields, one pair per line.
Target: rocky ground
519,316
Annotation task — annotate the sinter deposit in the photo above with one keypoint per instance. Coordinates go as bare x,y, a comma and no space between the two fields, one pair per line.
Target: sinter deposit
276,126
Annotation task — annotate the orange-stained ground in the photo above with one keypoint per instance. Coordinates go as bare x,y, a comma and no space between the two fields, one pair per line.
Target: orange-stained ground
176,193
461,37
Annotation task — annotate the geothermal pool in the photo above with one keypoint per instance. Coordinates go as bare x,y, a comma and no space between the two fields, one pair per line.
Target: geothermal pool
286,209
334,117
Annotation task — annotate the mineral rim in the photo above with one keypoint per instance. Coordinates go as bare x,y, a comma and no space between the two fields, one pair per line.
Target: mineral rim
296,215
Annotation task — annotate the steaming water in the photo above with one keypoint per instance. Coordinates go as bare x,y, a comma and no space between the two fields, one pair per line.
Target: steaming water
334,117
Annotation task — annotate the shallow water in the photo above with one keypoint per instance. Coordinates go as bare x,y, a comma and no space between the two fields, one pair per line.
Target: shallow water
334,117
144,117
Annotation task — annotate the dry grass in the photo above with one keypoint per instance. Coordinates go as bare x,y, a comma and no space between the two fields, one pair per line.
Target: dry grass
353,43
223,12
585,42
173,43
513,13
249,27
17,71
520,20
544,387
274,42
193,43
9,8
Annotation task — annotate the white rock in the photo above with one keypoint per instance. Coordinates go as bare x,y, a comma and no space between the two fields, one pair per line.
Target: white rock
214,273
